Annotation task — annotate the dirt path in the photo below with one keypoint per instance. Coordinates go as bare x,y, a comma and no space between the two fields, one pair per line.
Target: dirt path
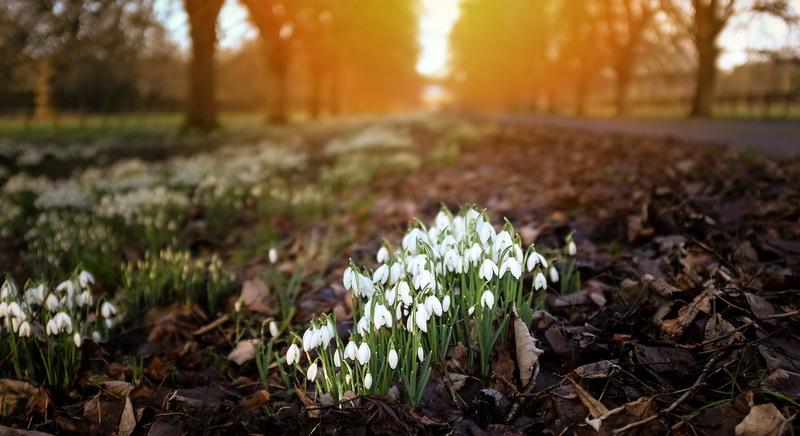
775,138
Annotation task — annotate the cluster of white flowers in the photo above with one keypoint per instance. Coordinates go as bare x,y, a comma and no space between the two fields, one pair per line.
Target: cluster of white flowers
67,194
370,138
65,314
456,281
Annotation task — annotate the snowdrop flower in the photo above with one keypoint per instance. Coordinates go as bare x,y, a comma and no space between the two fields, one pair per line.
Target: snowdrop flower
337,359
15,323
473,254
66,286
8,289
311,374
85,298
446,303
272,255
553,274
383,255
368,381
395,272
433,305
390,295
485,232
424,280
293,354
351,350
539,282
381,275
51,303
109,323
51,328
471,310
392,358
422,317
325,336
488,270
420,354
63,322
35,295
382,317
571,248
273,329
511,265
3,309
308,341
347,278
487,299
78,339
107,310
15,310
363,353
85,279
237,306
24,329
404,293
96,336
363,286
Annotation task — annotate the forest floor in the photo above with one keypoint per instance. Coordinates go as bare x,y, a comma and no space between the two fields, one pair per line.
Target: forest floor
685,320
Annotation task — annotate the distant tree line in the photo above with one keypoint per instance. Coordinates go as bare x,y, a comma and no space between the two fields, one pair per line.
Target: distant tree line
318,56
532,53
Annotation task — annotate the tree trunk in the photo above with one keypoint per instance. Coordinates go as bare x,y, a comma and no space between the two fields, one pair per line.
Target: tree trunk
278,56
201,112
43,101
622,72
706,76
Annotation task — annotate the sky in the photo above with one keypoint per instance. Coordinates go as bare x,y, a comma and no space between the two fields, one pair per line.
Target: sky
437,18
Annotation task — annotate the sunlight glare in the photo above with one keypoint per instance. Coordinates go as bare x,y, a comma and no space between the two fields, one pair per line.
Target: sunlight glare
435,24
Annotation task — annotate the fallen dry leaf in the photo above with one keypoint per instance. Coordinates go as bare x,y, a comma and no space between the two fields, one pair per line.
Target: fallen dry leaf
127,421
244,351
527,353
763,420
674,328
256,296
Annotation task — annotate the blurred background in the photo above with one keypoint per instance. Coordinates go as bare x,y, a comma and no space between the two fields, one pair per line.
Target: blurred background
186,62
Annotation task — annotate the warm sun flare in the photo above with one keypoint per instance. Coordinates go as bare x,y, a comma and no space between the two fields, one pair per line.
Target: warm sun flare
436,21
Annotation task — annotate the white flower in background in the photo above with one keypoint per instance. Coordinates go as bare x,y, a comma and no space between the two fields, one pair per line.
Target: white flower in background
35,295
24,330
311,374
383,255
382,317
553,274
381,275
511,265
107,310
473,254
404,293
368,381
347,278
337,359
424,280
351,350
85,279
363,353
446,303
15,323
63,322
51,328
488,270
539,282
420,354
237,306
51,303
3,309
571,248
395,272
78,339
96,337
487,299
471,310
308,341
109,323
433,305
485,232
272,255
66,287
15,310
85,298
293,354
422,317
8,289
392,358
273,329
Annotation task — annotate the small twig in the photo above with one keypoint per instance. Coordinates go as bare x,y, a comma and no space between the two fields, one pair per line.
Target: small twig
207,328
676,403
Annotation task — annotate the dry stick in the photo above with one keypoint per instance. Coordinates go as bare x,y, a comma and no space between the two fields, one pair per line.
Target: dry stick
677,402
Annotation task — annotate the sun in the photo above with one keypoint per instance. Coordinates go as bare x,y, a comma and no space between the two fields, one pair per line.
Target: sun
436,21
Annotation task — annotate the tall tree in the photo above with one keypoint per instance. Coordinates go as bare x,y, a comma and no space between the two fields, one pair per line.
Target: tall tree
201,111
703,21
625,25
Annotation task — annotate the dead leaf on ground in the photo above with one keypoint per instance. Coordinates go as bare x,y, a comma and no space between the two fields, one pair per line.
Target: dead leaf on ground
674,328
127,421
256,296
763,420
717,327
19,397
527,353
244,351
